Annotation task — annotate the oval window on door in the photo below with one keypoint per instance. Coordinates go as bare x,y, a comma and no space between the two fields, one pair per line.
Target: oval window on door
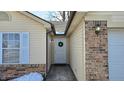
60,44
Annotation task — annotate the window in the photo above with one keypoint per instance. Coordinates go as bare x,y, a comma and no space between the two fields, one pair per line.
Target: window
10,48
14,47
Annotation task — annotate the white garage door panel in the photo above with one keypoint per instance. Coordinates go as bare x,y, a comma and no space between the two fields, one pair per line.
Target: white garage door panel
116,55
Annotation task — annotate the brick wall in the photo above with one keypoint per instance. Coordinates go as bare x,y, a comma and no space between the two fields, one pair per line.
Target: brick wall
8,72
96,51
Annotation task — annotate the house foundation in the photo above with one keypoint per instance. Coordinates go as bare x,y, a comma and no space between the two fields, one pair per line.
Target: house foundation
8,72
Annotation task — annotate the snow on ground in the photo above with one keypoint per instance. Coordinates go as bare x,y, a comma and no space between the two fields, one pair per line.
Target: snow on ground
33,76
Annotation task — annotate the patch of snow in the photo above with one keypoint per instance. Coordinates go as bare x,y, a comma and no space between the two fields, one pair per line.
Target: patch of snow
33,76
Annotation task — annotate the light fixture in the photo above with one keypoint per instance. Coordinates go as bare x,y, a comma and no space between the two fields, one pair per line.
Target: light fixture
97,27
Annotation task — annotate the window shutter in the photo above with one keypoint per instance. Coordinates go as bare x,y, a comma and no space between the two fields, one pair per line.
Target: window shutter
24,47
0,48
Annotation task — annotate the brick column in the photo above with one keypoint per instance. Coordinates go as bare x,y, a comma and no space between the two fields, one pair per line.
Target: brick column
96,51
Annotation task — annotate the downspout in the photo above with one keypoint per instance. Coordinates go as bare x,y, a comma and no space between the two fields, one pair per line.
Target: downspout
47,50
47,33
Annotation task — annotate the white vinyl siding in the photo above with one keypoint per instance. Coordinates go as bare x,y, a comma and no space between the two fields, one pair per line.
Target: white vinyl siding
76,42
4,16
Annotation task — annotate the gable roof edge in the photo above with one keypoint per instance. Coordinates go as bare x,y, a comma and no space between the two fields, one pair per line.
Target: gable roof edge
46,23
69,22
73,17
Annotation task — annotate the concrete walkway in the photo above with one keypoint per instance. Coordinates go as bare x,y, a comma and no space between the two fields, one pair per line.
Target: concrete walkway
60,73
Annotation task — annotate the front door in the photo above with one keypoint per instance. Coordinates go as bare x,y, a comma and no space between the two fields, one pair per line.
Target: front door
60,51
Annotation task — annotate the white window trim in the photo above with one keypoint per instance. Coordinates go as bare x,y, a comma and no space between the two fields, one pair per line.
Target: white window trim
22,47
13,48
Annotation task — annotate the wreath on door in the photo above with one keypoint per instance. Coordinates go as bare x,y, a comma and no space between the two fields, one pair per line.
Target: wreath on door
60,44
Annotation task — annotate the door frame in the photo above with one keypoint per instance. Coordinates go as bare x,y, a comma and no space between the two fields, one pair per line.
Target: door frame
65,49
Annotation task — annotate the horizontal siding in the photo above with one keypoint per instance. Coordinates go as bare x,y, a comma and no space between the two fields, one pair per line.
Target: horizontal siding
114,19
77,52
22,23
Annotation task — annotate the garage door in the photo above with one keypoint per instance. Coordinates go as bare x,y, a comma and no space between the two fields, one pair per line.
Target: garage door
116,54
